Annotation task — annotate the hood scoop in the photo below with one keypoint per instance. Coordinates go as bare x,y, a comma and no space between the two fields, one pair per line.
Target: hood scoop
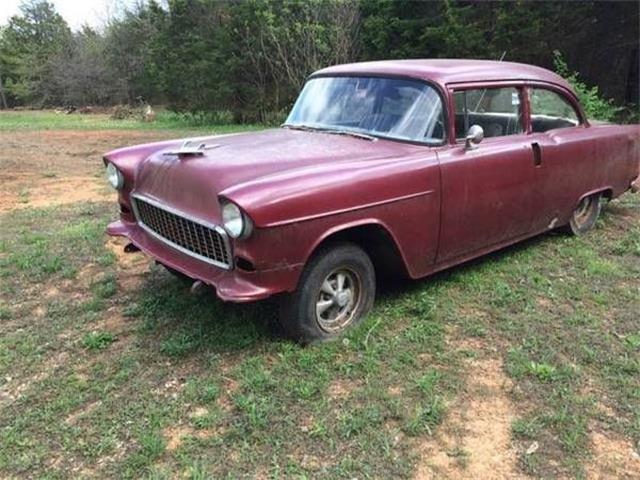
192,147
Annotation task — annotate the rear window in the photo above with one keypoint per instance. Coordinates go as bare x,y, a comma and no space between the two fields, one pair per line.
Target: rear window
550,110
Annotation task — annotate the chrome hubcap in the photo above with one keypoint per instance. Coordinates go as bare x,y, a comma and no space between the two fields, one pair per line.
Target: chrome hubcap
582,212
338,300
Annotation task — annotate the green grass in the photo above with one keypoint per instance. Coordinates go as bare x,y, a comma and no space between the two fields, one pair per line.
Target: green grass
98,340
149,381
38,120
564,311
268,405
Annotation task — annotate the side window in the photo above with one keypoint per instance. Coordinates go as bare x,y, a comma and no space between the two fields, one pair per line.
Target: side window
496,110
550,110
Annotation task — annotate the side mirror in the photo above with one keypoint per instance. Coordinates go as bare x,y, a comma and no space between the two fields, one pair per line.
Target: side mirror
474,136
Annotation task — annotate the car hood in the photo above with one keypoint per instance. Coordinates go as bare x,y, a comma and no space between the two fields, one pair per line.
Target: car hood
237,162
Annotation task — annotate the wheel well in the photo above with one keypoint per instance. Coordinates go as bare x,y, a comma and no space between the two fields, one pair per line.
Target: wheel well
607,193
377,242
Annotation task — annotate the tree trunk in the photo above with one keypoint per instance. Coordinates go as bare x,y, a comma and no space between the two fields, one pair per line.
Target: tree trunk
2,97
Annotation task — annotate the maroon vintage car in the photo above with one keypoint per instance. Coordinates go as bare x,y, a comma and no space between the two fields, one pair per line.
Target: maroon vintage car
416,165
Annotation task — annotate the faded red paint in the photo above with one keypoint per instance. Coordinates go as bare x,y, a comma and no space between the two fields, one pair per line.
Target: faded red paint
440,205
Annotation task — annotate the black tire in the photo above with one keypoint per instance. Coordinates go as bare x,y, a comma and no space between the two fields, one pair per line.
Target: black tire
584,217
350,302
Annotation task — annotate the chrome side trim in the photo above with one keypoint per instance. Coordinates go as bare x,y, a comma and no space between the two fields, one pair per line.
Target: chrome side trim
349,209
221,231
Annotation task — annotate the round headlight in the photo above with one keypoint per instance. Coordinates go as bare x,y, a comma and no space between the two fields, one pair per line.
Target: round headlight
114,176
233,220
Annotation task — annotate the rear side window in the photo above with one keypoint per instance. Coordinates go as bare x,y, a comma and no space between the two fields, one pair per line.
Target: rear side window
496,110
550,110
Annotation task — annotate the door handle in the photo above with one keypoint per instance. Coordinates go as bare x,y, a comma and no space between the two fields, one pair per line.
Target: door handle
537,154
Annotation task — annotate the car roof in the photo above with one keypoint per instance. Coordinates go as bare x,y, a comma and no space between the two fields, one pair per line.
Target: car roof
451,71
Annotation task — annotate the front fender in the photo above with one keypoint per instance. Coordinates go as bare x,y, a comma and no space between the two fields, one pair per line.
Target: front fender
314,192
299,209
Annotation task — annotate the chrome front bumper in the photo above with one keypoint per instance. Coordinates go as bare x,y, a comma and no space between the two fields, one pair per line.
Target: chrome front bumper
234,285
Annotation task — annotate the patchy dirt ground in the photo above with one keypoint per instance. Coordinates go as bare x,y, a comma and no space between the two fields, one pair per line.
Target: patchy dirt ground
614,457
475,438
39,169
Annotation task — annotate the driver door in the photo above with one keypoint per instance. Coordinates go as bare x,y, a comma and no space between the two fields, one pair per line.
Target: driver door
487,194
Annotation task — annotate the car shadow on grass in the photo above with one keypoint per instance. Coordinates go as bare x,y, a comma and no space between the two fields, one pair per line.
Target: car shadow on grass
179,324
390,288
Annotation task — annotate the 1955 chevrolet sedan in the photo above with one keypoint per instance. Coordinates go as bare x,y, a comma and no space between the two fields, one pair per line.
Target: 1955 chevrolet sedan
413,164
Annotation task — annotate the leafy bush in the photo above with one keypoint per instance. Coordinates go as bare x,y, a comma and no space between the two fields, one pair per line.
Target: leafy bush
542,371
594,105
123,112
200,118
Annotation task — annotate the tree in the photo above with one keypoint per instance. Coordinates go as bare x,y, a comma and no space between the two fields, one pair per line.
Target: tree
278,44
191,56
5,62
131,49
28,45
79,74
251,57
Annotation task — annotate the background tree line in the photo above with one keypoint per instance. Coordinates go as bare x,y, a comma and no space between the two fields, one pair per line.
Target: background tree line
249,58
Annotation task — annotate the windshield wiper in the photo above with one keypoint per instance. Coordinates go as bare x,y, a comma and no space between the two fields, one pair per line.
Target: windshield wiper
308,128
350,133
298,126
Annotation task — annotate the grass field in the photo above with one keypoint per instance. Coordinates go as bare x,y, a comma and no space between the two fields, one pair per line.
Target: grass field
38,120
523,363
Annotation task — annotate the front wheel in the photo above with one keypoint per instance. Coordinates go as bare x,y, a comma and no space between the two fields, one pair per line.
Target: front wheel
585,215
336,290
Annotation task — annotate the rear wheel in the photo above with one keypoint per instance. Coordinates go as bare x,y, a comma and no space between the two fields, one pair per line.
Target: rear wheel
335,292
585,215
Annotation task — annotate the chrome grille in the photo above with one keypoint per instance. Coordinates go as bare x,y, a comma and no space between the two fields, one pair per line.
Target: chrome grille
206,242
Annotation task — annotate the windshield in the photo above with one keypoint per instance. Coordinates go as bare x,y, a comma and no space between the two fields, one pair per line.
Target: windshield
384,107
